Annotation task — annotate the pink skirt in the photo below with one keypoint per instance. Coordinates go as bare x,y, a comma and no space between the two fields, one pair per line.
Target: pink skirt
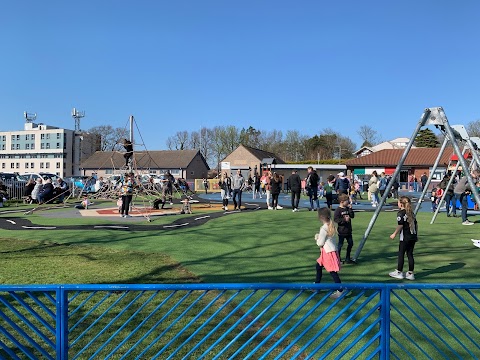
330,261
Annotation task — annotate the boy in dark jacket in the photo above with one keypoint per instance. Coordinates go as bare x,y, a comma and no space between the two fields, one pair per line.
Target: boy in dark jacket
343,217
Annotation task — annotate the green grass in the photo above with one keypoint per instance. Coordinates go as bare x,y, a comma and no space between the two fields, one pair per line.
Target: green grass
260,246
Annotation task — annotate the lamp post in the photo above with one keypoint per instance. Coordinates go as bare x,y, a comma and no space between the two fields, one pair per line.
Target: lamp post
339,151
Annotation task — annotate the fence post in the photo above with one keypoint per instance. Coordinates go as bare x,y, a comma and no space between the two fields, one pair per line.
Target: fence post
385,292
62,323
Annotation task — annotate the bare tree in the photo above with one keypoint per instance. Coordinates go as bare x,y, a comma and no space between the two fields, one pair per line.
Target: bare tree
368,134
179,141
111,139
473,128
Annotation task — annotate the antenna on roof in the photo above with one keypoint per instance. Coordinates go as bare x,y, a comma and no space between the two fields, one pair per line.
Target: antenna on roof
29,117
77,115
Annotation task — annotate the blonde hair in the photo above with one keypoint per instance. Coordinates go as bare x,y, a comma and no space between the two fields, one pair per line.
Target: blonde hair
325,216
407,205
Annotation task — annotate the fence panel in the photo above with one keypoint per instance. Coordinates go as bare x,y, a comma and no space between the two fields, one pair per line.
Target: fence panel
241,321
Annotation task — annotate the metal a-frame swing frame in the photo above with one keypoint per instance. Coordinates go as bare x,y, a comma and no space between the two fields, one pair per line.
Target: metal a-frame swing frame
431,116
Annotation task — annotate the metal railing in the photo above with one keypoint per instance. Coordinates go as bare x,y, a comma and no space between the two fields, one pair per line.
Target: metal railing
247,321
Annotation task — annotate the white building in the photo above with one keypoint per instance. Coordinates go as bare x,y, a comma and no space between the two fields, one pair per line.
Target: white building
43,148
398,143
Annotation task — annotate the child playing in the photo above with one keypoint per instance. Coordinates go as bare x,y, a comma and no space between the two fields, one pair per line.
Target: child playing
327,241
407,228
343,217
329,190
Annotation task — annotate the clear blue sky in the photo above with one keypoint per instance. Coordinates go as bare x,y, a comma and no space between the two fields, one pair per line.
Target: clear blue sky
285,65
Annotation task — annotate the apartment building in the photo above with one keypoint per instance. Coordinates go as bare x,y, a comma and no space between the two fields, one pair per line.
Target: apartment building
44,148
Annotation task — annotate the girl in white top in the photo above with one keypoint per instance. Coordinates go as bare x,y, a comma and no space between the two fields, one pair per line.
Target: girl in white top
327,241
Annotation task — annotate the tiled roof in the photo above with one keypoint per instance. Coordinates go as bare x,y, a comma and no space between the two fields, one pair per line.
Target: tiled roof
260,154
391,157
165,159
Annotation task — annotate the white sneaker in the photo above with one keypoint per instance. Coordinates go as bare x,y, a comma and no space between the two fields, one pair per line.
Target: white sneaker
279,207
396,274
171,203
336,294
409,275
121,215
467,222
128,216
270,208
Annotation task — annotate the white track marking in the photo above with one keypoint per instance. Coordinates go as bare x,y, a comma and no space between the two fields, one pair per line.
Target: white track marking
202,217
110,226
173,226
12,222
40,227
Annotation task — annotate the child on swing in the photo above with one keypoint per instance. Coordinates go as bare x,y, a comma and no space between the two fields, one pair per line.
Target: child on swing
327,241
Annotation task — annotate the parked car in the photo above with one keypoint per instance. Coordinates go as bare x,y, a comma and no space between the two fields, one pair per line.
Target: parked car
43,175
14,183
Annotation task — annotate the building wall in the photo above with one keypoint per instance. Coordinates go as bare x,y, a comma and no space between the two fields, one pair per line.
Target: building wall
42,148
243,159
196,169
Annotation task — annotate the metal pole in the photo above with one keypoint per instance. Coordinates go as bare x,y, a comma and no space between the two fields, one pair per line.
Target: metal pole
430,176
131,129
421,123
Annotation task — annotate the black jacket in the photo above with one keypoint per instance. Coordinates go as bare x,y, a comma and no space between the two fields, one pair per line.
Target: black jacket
344,227
294,183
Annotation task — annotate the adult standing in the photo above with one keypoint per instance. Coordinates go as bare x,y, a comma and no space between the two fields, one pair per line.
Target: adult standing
268,192
127,194
449,195
461,190
238,183
342,184
423,180
127,144
295,184
205,185
373,188
276,186
382,184
311,184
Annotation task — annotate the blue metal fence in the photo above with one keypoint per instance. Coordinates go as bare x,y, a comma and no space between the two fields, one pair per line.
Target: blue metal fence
240,321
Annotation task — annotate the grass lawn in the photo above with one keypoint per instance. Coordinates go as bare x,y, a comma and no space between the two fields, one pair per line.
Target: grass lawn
254,246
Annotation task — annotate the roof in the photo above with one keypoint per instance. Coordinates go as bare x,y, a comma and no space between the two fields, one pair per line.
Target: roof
163,159
391,157
261,154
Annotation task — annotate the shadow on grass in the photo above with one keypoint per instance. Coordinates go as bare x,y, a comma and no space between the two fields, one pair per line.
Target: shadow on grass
439,270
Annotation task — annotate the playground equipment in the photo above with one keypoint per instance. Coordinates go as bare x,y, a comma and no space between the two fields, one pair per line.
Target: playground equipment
434,116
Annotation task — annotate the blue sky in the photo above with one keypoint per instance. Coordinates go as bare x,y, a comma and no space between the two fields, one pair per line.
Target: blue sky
285,65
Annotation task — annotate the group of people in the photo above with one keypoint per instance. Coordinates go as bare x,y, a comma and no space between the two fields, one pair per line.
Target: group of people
456,190
335,230
44,190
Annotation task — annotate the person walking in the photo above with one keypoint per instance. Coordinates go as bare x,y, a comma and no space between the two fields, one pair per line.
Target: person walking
224,191
407,229
295,185
449,195
373,188
238,183
342,185
205,185
311,184
268,192
326,239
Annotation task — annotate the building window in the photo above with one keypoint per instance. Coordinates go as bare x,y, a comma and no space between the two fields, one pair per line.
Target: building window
12,166
4,138
32,146
42,146
3,165
48,136
13,146
41,165
59,135
42,136
27,137
47,165
48,145
17,165
18,137
32,137
27,146
26,165
32,165
18,146
58,165
3,147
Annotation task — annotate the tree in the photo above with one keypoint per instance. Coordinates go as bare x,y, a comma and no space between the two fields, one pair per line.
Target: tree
179,141
250,137
426,138
473,128
368,134
111,139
